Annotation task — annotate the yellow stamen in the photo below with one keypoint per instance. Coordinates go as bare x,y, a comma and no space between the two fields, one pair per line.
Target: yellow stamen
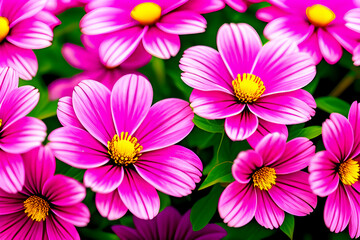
36,208
4,28
349,172
249,88
264,178
0,122
319,15
146,13
124,150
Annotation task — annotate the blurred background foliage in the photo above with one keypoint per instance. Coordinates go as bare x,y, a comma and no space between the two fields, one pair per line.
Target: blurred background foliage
334,88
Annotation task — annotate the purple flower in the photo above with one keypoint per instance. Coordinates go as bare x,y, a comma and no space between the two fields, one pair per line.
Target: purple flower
48,207
317,26
18,133
268,181
23,27
127,145
335,172
169,224
255,88
95,69
156,24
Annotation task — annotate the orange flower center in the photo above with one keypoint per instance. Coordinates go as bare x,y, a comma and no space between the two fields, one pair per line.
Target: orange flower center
36,208
146,13
349,172
319,15
264,178
249,88
124,150
4,28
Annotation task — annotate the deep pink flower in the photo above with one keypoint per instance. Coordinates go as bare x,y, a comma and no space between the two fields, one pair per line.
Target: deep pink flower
268,181
352,19
23,27
58,6
256,89
48,207
335,172
169,224
18,133
317,26
95,69
156,24
127,145
241,5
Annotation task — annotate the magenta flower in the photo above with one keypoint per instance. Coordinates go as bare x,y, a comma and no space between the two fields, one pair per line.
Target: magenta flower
317,26
58,6
95,69
241,5
356,56
352,19
23,27
169,224
256,89
156,24
127,145
48,207
18,133
335,172
268,181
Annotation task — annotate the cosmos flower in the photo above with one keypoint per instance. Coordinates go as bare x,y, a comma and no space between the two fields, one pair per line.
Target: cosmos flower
95,69
156,24
169,224
18,133
23,27
58,6
352,19
126,144
317,26
241,5
48,207
269,181
335,172
256,89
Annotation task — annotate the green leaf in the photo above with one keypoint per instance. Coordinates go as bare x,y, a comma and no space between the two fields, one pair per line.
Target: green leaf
220,173
89,233
164,200
311,87
333,104
288,225
251,231
308,132
204,209
213,126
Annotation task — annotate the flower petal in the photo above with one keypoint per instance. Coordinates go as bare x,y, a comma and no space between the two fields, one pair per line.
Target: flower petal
238,5
161,44
110,205
78,57
17,11
245,165
271,148
241,126
265,128
12,172
131,99
59,229
173,170
127,233
77,214
104,179
268,214
238,45
352,19
9,80
329,47
354,119
66,114
237,204
354,224
167,122
139,196
203,6
311,46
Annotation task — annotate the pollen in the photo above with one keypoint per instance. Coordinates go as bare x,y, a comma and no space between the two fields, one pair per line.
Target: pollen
146,13
319,15
349,172
124,150
264,178
36,208
4,28
248,88
0,122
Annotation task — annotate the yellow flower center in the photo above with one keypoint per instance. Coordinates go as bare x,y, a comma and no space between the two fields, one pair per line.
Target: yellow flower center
4,28
0,122
249,88
349,172
264,178
36,208
146,13
319,15
124,150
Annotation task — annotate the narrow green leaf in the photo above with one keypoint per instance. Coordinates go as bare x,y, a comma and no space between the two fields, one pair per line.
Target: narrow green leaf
220,173
288,225
333,104
308,132
213,126
204,209
164,200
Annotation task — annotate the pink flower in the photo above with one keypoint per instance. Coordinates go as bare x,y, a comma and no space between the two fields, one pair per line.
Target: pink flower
256,89
241,5
269,182
95,69
48,207
156,24
127,145
352,19
18,133
58,6
317,26
169,224
335,171
356,56
23,27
